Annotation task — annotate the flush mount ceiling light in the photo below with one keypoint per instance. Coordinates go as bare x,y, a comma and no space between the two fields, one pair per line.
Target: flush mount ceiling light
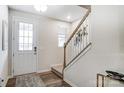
40,8
68,17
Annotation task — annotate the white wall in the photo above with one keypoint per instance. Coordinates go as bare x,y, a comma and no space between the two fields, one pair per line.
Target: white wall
47,40
75,24
107,51
73,27
3,54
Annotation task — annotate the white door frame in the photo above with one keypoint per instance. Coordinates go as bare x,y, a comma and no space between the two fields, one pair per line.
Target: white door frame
13,37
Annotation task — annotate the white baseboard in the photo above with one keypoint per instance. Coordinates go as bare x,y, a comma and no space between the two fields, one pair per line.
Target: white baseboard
56,65
10,76
70,83
41,71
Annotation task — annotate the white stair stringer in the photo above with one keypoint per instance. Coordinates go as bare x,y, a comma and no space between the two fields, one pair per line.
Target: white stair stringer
82,54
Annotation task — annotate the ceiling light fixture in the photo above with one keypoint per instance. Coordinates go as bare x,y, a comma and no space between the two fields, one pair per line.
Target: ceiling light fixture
40,8
68,17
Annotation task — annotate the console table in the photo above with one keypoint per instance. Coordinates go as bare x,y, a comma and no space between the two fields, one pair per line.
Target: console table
100,82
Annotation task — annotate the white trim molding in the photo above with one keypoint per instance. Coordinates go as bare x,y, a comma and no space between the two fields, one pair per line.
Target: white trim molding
70,83
42,71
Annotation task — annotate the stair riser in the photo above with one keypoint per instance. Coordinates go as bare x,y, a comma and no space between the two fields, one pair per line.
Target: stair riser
57,73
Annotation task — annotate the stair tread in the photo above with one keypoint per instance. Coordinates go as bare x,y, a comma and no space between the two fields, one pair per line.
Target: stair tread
58,68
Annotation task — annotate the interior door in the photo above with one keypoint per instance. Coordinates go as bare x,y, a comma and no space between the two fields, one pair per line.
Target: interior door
25,49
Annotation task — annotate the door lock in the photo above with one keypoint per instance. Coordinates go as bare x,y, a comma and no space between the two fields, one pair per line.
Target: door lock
35,50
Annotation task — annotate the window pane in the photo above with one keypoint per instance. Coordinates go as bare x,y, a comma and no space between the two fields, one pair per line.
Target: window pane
25,46
25,39
21,26
30,27
26,27
20,47
30,33
30,47
20,40
30,40
20,32
61,42
26,33
25,36
61,36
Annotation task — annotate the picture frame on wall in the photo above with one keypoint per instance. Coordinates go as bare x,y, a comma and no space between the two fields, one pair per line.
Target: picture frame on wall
4,35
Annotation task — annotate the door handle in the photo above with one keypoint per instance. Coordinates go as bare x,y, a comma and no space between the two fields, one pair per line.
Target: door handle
35,50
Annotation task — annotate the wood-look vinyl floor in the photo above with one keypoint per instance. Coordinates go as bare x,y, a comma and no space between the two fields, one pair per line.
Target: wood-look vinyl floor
50,80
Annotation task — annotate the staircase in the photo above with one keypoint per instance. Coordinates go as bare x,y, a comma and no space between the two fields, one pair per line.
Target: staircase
58,70
77,45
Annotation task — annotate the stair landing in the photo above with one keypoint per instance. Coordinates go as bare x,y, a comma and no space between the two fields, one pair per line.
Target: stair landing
58,69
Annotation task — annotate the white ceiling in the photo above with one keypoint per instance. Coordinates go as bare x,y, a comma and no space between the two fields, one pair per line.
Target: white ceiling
59,12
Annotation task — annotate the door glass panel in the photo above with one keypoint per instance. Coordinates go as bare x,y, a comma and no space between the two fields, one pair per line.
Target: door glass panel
26,33
30,40
30,46
26,27
30,33
20,32
30,27
25,36
20,46
25,47
25,40
21,26
20,40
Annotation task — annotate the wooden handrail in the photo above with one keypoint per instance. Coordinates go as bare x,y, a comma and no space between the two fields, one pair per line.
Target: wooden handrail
72,35
86,6
76,30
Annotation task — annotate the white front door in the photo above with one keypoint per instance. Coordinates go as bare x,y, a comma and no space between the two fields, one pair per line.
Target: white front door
24,46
